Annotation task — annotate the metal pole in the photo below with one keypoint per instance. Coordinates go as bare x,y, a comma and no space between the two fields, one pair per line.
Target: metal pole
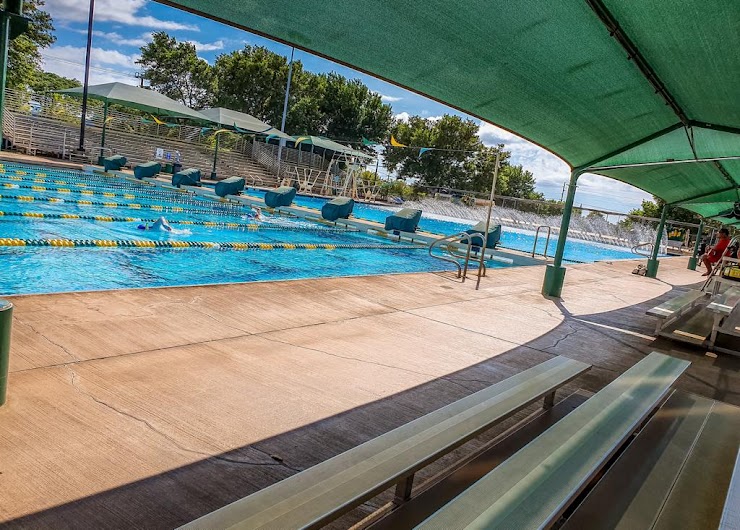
484,242
694,257
555,273
102,136
6,322
285,109
215,158
653,262
4,34
81,148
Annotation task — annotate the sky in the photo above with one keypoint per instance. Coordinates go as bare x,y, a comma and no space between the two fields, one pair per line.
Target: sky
121,27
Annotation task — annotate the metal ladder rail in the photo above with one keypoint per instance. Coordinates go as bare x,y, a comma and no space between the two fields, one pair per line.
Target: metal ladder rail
636,249
547,241
462,272
452,251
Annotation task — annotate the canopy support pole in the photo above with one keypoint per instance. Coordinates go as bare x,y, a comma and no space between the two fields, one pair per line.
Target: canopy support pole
484,241
653,262
555,273
215,158
83,116
102,135
694,256
4,43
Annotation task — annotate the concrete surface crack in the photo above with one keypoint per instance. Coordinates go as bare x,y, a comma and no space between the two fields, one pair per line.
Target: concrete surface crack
572,332
365,361
169,438
47,339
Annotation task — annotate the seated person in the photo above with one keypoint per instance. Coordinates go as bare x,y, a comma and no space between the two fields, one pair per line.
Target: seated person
715,253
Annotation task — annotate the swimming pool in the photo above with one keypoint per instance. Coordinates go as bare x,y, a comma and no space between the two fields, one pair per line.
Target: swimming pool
63,230
513,238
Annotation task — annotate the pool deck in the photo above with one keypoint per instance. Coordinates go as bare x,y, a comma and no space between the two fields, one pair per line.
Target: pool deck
148,408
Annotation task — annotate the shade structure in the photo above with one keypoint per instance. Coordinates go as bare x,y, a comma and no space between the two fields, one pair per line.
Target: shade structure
592,81
137,98
244,122
329,145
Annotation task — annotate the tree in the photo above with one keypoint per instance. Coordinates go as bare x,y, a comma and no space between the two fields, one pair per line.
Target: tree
253,80
24,57
48,81
519,183
174,69
351,110
450,164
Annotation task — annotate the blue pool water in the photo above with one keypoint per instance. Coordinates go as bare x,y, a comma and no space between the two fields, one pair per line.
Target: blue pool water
575,250
34,269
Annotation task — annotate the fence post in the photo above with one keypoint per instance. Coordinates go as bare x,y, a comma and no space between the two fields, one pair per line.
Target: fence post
6,322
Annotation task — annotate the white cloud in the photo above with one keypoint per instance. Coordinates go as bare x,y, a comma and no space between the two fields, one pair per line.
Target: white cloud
207,46
551,172
389,99
106,66
122,11
117,38
402,116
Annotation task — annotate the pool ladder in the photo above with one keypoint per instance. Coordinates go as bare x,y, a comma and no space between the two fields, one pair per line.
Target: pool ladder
467,241
547,241
637,249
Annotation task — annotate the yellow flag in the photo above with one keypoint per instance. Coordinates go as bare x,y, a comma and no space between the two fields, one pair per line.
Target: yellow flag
301,139
158,121
396,143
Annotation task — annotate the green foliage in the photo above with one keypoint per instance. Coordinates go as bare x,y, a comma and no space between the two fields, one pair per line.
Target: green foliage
654,209
48,81
24,57
451,164
174,69
517,182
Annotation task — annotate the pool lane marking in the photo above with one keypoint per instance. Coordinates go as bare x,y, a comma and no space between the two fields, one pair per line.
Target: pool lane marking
138,243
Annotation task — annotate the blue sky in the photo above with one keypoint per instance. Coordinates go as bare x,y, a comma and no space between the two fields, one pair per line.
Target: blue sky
123,26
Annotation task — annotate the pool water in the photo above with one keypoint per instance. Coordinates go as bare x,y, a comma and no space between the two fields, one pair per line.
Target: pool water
34,201
575,250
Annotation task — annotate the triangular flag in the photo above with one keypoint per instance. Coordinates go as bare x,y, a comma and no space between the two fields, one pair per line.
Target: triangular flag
204,130
158,122
109,119
221,131
368,143
424,150
270,137
396,143
145,121
301,139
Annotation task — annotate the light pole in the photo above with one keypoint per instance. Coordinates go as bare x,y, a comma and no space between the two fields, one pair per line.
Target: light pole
484,243
81,148
285,110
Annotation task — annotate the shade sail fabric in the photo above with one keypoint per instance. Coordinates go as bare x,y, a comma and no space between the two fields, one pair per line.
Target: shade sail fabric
246,122
552,72
330,145
137,98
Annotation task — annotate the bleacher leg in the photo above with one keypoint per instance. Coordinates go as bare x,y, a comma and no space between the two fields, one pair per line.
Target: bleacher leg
403,490
549,400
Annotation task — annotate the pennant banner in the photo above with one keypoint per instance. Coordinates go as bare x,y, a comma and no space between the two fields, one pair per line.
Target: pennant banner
145,121
158,121
396,143
301,139
270,137
204,130
423,150
368,143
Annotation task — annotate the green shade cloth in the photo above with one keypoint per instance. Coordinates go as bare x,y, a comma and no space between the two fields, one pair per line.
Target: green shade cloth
137,98
552,72
330,145
243,121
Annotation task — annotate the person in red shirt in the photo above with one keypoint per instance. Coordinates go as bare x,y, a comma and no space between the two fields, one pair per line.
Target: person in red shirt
715,253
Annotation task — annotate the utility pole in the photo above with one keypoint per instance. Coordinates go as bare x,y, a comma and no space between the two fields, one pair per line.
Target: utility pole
285,110
562,193
83,118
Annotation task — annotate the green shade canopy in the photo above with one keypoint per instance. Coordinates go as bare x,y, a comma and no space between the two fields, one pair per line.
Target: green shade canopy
597,82
330,145
137,98
243,121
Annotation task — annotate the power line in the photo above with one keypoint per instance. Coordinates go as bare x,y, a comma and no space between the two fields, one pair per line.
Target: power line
98,68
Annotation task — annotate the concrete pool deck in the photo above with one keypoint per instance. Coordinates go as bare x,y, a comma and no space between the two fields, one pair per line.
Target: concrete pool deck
148,408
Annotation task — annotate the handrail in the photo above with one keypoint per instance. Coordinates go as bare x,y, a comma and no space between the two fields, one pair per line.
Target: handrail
636,249
547,241
462,272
